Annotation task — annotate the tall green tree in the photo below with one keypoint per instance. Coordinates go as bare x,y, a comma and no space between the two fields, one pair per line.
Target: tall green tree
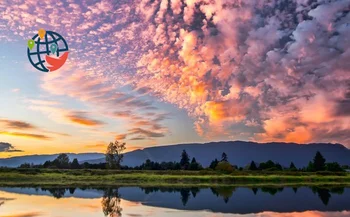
292,166
185,160
62,161
224,157
114,154
334,167
310,167
194,165
213,164
278,166
47,164
319,162
75,164
24,165
253,166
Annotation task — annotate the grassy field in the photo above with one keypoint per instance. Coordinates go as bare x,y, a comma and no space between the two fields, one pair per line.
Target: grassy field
19,177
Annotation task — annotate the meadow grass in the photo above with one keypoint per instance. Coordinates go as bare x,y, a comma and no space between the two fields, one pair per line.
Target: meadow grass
166,178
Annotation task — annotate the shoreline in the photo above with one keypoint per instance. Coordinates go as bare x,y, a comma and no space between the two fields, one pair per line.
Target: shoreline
15,177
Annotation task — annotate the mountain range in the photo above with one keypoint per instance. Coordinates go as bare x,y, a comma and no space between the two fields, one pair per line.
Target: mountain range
239,153
40,159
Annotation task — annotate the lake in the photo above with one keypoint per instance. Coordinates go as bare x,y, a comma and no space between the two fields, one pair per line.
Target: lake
175,202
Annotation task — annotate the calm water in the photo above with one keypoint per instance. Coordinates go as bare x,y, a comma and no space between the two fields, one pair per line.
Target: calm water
181,202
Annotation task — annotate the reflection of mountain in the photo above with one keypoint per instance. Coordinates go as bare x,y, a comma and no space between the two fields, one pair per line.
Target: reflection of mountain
243,200
216,199
69,192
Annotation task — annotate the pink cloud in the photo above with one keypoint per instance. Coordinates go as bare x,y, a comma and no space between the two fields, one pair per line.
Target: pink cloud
241,65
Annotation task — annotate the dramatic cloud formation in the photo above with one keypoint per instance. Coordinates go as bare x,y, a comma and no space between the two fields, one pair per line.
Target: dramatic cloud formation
7,147
242,69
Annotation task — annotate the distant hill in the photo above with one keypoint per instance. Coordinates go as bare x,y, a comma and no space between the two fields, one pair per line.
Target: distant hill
40,159
239,153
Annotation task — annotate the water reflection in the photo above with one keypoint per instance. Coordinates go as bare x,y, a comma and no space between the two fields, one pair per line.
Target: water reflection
251,201
325,194
111,203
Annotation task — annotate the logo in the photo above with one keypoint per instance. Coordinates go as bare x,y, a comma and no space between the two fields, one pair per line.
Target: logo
47,51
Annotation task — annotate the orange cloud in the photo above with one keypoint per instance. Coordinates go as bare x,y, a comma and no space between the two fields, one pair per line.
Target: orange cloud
80,118
98,145
224,111
120,137
317,110
299,135
19,125
26,135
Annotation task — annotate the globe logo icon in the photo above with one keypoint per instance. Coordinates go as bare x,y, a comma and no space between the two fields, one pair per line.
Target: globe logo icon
47,51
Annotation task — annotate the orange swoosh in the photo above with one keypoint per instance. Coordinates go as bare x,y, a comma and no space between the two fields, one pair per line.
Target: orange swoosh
56,63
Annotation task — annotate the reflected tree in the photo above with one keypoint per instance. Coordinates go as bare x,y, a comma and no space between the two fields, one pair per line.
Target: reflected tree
271,191
149,190
224,192
195,191
323,194
255,190
56,192
337,190
183,191
71,190
111,203
295,189
185,195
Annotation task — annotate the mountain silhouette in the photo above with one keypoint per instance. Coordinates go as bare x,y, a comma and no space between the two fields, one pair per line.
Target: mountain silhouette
40,159
239,153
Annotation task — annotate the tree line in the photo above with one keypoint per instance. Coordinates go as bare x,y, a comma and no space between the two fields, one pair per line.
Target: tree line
114,157
317,164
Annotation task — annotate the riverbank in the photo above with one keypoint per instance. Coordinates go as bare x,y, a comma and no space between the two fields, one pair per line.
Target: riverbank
17,177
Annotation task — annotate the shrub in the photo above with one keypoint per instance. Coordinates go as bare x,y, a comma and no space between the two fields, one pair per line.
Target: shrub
334,167
224,167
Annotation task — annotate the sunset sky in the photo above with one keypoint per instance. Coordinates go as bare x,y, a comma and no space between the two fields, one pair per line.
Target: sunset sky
158,72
